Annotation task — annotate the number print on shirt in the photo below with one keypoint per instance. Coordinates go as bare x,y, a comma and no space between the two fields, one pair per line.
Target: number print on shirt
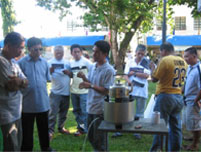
179,77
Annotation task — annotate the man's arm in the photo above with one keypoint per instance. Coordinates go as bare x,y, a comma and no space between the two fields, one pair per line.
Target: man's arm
69,73
153,67
127,79
88,85
154,79
197,99
16,83
141,75
82,75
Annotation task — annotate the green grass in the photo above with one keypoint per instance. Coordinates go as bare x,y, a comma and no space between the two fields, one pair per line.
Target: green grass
70,143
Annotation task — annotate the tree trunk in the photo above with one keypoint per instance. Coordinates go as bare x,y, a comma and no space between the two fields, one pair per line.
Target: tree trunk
115,52
119,53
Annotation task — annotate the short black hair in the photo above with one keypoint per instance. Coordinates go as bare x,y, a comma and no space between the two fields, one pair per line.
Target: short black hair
192,50
33,41
167,47
13,38
141,47
104,46
75,46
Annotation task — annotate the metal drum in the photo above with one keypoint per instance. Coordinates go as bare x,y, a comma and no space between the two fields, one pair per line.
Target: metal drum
118,113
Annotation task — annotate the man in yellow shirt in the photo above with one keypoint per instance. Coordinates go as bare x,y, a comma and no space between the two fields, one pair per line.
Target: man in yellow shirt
169,74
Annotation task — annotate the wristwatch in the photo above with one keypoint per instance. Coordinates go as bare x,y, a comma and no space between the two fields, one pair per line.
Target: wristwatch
92,86
23,83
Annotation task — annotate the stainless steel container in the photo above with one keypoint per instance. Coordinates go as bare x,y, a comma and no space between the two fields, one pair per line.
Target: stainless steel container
119,113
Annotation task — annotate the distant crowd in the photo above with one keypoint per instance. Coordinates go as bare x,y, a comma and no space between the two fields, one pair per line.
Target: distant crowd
24,98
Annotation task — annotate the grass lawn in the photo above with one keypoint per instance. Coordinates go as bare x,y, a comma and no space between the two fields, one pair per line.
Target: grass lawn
70,143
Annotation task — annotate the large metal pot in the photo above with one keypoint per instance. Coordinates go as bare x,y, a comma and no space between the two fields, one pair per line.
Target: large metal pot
119,113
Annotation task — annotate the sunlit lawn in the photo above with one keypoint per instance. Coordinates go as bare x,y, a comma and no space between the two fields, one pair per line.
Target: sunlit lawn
70,143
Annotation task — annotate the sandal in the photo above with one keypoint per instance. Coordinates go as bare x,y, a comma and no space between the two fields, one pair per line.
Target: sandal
190,148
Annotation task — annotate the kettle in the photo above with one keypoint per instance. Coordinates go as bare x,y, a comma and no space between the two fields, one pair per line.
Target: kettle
119,90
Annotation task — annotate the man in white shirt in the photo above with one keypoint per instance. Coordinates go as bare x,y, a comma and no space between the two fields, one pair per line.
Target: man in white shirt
137,74
79,96
60,91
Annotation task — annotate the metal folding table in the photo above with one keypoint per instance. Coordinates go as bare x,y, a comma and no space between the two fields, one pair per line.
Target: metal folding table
133,127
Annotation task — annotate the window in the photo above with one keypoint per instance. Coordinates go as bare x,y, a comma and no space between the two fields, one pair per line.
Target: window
180,23
197,23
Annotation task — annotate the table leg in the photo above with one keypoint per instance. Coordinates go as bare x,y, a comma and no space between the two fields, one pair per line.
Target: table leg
106,141
166,142
161,142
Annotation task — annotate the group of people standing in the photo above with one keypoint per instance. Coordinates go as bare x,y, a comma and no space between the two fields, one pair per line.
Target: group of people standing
24,98
174,74
178,92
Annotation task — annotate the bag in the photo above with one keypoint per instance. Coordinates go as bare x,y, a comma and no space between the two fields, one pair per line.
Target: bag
150,107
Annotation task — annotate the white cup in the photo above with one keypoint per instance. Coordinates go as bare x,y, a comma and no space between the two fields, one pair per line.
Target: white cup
156,117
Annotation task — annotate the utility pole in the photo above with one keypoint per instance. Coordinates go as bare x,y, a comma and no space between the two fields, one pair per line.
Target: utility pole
164,22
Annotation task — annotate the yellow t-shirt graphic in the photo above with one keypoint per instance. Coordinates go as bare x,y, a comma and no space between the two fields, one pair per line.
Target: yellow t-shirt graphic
170,72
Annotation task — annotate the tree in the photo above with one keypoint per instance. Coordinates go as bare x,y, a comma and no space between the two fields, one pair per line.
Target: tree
122,17
8,16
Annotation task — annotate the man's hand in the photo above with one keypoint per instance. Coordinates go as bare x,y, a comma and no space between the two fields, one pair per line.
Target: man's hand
85,85
51,70
152,66
129,83
13,84
199,104
81,75
67,72
131,73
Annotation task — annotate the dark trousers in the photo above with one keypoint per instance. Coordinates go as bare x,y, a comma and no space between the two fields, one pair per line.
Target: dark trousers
28,128
12,136
97,138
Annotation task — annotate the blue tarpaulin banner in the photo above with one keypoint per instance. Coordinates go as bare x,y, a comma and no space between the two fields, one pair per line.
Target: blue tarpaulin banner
176,40
69,40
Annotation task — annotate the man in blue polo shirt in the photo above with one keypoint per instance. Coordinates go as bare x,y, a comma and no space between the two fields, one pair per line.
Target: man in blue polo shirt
101,77
192,118
35,97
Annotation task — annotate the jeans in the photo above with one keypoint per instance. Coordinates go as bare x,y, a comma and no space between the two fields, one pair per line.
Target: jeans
170,106
140,106
97,138
79,110
59,106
